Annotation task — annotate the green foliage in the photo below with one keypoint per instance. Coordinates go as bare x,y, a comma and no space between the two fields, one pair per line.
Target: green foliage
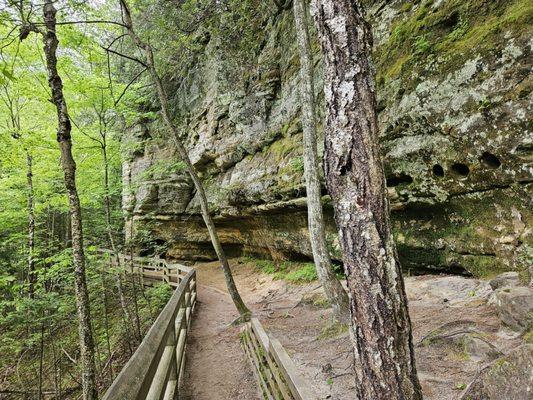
159,295
304,273
267,266
421,45
297,164
28,128
294,272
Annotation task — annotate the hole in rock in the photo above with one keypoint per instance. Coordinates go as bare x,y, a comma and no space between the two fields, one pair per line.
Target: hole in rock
460,169
489,160
451,21
396,180
438,171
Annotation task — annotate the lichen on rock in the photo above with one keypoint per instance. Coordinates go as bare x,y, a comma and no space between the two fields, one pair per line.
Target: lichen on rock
454,102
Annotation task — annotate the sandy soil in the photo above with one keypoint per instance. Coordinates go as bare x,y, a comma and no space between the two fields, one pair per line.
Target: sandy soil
217,368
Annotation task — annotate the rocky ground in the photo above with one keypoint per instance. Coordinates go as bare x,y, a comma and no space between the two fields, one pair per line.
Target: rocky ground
465,330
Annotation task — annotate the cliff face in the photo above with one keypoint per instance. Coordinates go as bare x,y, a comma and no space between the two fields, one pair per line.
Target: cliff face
454,101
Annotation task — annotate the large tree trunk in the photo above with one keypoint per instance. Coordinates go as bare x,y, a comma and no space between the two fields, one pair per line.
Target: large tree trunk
31,225
384,357
182,151
69,169
332,287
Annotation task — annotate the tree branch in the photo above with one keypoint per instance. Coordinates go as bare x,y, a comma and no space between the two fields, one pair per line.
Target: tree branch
85,22
125,56
129,84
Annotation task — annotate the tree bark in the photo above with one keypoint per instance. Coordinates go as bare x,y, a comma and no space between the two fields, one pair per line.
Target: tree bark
381,328
182,151
68,165
332,287
31,226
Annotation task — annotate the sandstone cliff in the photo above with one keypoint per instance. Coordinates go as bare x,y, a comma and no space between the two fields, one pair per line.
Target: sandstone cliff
454,90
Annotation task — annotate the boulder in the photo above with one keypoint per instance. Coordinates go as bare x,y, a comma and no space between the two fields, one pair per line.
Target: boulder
508,378
464,339
477,348
507,279
515,307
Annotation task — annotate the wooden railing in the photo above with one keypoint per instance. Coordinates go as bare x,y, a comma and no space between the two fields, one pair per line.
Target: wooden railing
155,369
152,269
276,372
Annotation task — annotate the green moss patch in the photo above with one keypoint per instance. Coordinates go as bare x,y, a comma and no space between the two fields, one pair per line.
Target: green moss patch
450,33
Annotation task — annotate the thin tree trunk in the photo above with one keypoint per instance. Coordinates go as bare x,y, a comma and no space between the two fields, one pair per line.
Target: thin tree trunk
134,286
41,359
69,169
106,322
382,339
57,390
107,209
31,226
332,287
182,151
122,297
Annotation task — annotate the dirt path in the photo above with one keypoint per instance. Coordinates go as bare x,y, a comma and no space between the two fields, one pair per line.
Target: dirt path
298,317
216,367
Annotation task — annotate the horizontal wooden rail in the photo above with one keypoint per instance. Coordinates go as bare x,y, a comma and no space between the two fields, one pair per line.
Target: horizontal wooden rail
150,269
277,374
155,369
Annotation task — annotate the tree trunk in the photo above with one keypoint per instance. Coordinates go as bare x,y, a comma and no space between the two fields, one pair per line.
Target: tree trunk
110,238
107,208
69,169
134,286
332,287
384,356
55,363
182,151
41,360
106,322
31,226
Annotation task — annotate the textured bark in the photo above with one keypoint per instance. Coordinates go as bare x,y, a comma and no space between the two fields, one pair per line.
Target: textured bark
31,226
381,329
332,287
182,151
69,170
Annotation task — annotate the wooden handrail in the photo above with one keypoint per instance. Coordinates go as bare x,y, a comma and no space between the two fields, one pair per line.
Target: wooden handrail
277,374
150,270
154,370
